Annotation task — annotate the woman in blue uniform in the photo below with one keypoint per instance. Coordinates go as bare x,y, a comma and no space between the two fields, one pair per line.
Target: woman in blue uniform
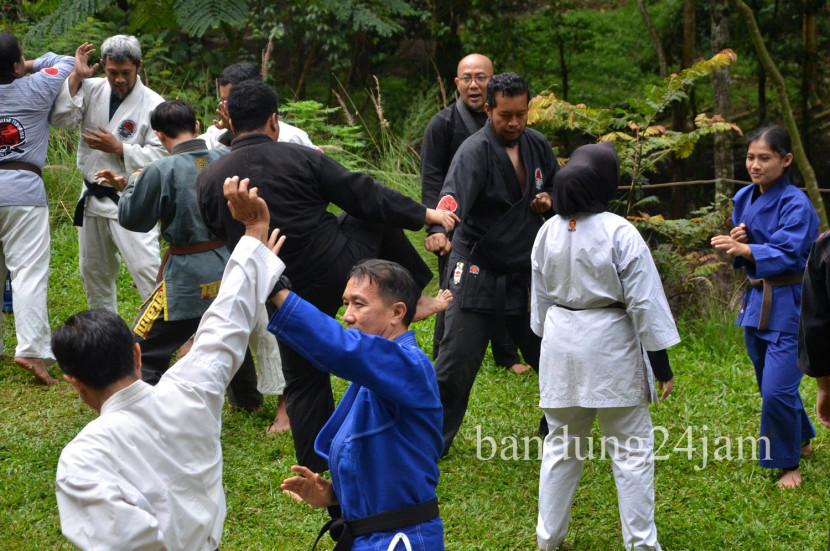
775,224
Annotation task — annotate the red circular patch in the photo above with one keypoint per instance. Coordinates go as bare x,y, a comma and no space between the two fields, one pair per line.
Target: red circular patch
447,203
9,134
50,71
572,223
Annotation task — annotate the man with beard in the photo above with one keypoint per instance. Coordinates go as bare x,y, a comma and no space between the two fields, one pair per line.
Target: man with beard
499,185
114,114
444,135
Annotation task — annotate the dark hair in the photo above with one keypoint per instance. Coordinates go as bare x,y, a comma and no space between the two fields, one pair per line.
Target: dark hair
239,72
394,283
173,117
775,136
10,53
95,346
250,103
509,85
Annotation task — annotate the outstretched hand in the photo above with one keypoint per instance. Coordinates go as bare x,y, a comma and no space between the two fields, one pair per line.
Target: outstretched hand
443,218
309,487
82,67
248,207
224,121
115,180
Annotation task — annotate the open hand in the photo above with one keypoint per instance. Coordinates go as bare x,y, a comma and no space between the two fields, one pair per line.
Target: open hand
82,68
309,487
115,180
224,121
103,140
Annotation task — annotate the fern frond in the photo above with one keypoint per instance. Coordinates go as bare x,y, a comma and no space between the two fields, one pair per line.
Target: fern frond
65,16
195,17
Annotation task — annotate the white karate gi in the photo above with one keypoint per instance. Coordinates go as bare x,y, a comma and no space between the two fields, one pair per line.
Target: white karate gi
101,237
592,364
288,133
147,473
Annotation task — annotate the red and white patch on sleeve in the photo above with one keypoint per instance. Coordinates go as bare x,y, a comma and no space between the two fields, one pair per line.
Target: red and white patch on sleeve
447,203
50,71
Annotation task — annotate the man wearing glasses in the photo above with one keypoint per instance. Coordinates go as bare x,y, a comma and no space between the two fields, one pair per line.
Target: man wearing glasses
442,138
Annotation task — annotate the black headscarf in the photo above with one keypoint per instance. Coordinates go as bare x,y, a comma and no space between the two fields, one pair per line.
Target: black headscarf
589,180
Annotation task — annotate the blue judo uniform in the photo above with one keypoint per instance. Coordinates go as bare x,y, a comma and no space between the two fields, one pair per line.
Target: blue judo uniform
781,225
384,439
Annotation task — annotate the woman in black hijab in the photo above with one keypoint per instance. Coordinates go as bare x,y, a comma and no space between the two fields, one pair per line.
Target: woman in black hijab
597,301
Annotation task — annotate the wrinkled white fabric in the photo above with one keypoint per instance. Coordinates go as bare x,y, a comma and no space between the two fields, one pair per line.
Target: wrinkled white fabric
147,473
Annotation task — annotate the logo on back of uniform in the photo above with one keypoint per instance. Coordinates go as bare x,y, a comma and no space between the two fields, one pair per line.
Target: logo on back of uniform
447,203
126,129
12,136
50,71
572,225
201,163
538,178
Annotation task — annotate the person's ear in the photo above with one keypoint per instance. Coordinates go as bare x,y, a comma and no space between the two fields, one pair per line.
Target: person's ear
198,127
398,312
140,65
487,109
788,159
76,383
137,358
233,128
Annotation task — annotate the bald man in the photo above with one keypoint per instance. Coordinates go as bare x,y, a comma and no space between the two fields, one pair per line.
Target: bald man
444,134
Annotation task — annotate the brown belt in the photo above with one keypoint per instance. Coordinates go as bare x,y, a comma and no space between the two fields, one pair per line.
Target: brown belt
196,248
19,165
619,305
766,284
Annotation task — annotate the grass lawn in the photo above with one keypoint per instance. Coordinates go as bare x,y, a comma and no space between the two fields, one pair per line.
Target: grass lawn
488,488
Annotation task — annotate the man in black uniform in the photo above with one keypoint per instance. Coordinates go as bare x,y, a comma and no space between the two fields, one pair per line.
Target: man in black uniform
298,183
442,138
499,184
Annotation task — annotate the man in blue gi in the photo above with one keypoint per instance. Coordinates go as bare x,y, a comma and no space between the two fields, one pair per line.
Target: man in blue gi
384,440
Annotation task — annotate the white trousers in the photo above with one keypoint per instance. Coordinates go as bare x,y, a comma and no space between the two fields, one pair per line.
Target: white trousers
629,444
270,379
100,240
24,250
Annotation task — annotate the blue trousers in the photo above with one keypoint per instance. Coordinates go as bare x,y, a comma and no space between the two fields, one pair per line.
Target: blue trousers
784,422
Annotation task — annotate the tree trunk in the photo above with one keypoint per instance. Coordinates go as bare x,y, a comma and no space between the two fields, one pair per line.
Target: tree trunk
721,82
786,111
809,70
658,44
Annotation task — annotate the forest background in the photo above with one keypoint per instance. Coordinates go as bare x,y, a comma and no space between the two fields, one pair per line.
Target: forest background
363,77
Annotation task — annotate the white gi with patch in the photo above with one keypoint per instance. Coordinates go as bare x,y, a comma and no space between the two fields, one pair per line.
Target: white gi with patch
592,364
101,238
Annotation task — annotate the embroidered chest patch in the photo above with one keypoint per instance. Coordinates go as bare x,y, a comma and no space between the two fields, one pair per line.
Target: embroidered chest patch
572,225
126,129
538,175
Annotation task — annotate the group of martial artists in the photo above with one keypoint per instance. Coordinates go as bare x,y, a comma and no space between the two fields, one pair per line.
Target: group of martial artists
529,259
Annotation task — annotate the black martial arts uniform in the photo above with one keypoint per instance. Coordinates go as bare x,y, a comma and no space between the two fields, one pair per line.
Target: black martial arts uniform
445,133
298,183
489,268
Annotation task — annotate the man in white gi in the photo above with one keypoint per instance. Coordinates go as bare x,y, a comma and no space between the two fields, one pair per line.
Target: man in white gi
598,302
147,473
24,210
114,114
220,134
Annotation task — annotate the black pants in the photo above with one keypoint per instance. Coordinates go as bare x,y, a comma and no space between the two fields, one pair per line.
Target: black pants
165,337
462,350
504,349
308,396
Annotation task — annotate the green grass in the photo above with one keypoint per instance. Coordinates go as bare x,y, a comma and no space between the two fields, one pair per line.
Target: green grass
485,504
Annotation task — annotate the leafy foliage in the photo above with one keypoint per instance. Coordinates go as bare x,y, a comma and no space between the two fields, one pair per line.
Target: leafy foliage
641,142
683,255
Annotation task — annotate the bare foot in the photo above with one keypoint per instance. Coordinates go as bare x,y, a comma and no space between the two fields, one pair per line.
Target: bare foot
790,479
37,368
518,369
280,423
428,305
806,450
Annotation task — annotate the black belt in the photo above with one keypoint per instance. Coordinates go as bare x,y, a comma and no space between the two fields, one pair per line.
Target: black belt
345,531
619,305
101,192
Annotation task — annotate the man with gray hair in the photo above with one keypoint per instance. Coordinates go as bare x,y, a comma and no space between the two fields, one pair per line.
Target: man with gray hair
114,114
